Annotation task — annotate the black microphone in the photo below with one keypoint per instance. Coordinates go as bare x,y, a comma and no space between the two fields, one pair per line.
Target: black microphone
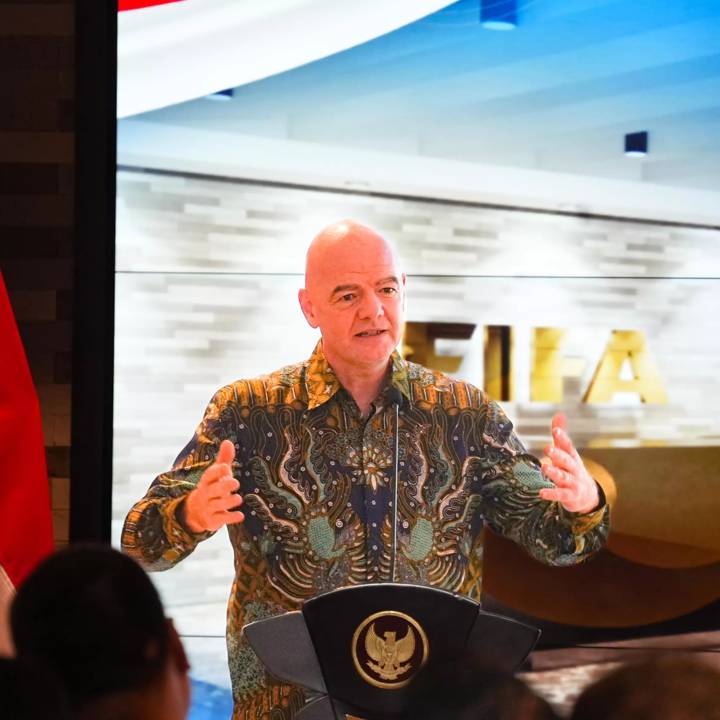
395,397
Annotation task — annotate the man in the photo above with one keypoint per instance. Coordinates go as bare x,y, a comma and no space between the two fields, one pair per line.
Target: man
356,466
91,617
670,686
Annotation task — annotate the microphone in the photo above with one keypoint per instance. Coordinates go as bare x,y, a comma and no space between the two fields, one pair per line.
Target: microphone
395,397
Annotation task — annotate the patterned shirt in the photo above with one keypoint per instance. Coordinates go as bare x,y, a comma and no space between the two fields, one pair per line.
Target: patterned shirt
318,482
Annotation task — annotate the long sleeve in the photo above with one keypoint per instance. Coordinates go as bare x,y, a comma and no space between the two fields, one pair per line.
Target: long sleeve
152,532
511,480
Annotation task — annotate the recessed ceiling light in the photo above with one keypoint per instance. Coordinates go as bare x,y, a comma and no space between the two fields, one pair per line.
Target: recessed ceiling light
636,144
221,96
498,14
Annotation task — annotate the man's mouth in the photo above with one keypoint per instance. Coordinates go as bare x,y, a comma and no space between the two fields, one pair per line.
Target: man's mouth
370,333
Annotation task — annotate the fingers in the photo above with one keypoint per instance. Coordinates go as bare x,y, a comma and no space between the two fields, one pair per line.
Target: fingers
216,472
222,496
229,502
229,518
215,500
562,440
226,454
224,517
212,513
222,467
560,495
559,422
222,487
559,477
559,458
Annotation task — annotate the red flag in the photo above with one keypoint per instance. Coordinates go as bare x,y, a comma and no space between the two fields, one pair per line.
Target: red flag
25,517
137,4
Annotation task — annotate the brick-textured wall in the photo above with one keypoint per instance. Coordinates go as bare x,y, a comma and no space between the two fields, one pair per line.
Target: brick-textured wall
36,210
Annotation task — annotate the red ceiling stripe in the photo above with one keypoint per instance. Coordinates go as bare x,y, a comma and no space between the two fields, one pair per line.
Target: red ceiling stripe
137,4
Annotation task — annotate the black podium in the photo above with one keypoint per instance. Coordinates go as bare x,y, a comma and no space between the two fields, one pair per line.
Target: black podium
367,651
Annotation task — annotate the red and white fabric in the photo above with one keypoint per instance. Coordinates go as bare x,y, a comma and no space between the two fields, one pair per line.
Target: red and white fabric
171,51
26,534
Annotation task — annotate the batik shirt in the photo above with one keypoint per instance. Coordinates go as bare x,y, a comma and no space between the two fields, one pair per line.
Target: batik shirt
318,479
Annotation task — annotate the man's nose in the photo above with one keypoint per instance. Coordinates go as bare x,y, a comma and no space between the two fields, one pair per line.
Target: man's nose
371,306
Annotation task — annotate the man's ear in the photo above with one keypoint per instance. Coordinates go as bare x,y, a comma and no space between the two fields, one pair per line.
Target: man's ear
307,307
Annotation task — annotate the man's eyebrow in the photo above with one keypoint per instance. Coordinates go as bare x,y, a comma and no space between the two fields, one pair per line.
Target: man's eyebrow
343,288
354,286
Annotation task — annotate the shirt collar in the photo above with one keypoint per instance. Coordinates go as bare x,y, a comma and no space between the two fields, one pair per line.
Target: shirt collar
322,383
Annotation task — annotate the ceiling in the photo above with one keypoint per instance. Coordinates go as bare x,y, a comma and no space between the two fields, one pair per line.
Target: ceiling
558,93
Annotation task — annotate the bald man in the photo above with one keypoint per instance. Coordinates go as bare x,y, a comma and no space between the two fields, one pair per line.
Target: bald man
356,466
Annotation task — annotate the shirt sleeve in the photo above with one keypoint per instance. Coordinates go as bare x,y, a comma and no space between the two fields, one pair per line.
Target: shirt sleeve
153,533
512,507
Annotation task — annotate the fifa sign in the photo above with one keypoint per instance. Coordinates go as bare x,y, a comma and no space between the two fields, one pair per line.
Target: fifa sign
625,366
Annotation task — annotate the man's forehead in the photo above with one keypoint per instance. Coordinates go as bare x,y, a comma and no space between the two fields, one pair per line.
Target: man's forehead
337,274
358,254
361,267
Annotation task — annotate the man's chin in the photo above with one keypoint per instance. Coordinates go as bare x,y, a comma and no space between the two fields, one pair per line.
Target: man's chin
363,343
374,354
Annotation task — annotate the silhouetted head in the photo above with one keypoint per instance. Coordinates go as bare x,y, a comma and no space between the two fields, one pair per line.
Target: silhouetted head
462,692
92,616
662,688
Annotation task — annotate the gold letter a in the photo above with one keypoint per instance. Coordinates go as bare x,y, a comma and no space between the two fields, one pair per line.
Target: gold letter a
626,346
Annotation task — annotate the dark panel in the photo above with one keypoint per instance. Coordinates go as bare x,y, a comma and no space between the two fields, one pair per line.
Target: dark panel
62,368
28,179
36,242
91,458
36,52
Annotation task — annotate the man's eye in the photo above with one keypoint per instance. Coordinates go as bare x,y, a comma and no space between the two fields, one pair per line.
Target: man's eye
388,290
348,297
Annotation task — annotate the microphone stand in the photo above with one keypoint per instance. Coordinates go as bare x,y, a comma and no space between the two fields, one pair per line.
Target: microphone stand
393,559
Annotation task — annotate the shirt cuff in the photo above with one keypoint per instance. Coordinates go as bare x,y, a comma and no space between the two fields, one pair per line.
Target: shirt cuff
582,523
181,540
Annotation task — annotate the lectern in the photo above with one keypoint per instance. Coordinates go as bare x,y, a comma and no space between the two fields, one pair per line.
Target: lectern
365,652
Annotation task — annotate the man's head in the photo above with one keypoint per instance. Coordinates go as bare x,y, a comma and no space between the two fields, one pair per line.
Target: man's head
671,687
466,691
92,617
355,293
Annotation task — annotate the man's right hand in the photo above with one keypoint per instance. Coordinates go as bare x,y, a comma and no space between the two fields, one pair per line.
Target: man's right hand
210,505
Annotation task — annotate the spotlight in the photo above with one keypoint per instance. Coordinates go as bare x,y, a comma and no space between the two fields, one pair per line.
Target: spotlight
636,144
221,96
498,14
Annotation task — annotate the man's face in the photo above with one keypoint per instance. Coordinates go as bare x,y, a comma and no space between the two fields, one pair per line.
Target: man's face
355,295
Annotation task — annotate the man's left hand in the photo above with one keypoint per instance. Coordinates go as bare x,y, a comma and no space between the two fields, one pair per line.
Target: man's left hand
574,489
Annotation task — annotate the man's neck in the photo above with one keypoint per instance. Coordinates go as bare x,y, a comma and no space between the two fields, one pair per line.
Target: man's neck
363,384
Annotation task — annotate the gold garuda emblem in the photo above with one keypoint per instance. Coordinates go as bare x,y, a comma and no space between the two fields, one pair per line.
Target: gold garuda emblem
388,649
